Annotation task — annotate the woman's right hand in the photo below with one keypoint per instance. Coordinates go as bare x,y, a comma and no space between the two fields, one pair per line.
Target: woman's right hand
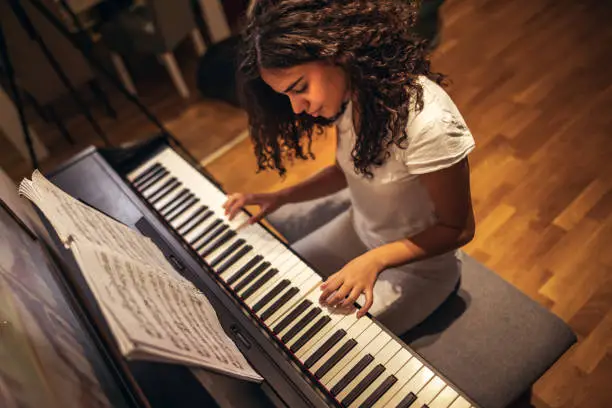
267,202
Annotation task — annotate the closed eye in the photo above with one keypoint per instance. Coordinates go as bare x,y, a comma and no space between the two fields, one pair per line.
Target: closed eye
303,89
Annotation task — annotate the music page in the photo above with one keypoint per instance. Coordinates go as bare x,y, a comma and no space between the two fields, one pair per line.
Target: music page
165,319
76,221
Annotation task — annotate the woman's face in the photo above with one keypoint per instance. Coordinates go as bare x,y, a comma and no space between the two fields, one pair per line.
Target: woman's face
318,89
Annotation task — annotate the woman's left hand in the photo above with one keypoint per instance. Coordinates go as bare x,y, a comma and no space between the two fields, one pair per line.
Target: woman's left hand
356,277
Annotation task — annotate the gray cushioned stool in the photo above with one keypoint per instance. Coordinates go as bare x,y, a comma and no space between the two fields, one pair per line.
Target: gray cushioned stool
488,339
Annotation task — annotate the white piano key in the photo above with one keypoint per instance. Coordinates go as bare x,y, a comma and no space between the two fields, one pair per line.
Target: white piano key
170,198
460,402
429,392
378,345
445,398
313,297
297,319
204,225
289,273
381,356
353,332
363,340
405,374
343,324
305,283
416,383
232,270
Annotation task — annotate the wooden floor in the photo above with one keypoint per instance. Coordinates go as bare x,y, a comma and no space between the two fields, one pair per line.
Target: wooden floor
532,80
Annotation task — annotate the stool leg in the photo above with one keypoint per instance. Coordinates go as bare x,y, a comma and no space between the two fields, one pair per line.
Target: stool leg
198,42
169,62
94,85
60,125
123,73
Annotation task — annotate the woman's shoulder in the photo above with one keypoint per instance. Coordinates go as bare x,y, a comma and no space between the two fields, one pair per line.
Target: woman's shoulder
438,135
437,108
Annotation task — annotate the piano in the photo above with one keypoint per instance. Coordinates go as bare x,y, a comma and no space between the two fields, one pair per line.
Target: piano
263,292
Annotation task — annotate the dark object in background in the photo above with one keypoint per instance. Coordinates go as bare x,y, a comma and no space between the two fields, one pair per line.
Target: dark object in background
429,22
216,72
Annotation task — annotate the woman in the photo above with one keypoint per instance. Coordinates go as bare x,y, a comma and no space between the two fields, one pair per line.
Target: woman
402,149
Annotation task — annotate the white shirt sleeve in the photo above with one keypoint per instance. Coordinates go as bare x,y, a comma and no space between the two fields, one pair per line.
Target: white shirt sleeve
438,136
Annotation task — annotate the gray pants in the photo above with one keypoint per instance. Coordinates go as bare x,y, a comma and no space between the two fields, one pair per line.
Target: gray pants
403,296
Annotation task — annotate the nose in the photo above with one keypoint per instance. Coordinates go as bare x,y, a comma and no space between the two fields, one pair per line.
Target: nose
298,104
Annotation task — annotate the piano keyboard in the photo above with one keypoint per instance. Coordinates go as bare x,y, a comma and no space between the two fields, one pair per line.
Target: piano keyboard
354,360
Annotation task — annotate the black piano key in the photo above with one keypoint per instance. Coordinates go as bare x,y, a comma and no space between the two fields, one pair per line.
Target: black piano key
245,268
271,294
145,180
194,216
259,283
310,333
280,303
379,392
407,401
173,186
292,316
208,230
337,356
235,258
178,203
181,210
153,180
210,237
325,347
363,384
293,331
159,189
228,251
170,203
197,222
352,374
227,235
145,173
252,276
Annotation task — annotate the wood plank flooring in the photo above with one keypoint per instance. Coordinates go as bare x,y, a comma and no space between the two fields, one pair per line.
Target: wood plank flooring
532,79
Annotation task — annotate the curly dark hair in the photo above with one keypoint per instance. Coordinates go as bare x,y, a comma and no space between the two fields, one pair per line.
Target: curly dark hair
374,42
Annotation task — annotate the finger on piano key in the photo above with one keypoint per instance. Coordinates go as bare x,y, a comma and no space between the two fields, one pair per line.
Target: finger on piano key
460,403
387,360
404,374
444,399
411,388
381,342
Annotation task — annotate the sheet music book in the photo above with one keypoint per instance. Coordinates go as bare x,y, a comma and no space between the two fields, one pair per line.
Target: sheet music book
153,312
